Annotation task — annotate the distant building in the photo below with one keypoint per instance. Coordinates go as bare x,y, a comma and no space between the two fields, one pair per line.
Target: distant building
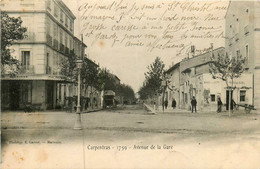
243,38
49,39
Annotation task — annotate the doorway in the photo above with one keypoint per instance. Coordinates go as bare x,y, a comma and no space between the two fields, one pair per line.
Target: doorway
227,99
49,94
14,95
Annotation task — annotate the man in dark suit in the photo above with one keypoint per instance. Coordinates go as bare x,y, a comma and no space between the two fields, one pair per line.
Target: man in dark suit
193,104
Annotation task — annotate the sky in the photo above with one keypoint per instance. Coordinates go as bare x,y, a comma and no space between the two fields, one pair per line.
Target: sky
126,36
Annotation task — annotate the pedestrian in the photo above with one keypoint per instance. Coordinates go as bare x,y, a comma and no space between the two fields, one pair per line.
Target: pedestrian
166,104
193,104
173,103
219,105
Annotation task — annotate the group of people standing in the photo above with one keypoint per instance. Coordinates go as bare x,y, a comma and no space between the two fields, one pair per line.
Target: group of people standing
194,104
173,104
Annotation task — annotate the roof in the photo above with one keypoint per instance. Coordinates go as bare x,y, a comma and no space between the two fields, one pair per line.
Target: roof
61,3
227,9
77,39
173,67
198,60
89,60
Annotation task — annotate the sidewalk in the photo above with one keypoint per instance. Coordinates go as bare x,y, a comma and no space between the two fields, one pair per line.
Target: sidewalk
52,111
170,110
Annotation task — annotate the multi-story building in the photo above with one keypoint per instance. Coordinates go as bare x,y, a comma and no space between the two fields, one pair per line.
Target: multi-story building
243,38
173,87
191,77
49,40
195,80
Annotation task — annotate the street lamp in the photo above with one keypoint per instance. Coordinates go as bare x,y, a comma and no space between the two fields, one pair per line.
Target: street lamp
78,125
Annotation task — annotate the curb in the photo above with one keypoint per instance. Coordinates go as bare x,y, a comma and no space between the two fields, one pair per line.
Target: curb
90,111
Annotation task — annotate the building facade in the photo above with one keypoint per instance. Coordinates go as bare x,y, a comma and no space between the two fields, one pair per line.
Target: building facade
191,77
173,89
243,38
48,41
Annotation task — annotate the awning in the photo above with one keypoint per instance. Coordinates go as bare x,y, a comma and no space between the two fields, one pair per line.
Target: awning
37,77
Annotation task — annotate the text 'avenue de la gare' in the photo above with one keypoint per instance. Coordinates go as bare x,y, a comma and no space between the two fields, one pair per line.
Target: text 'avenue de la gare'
133,147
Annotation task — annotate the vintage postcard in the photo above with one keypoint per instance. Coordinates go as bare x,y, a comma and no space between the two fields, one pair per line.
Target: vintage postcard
140,84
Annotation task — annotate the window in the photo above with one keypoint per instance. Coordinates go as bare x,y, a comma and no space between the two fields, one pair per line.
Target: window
238,53
55,11
66,40
61,16
231,31
186,98
71,25
71,45
212,98
25,58
61,36
66,21
26,92
48,4
47,60
48,26
55,31
242,95
247,17
237,26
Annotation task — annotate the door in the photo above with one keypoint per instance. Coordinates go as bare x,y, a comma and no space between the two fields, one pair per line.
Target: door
227,99
49,94
14,95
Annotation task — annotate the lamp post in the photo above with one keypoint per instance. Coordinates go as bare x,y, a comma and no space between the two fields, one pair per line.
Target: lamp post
78,125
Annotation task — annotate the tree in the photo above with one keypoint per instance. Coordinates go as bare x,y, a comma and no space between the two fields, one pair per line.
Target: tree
90,73
126,92
68,67
153,80
11,30
107,79
226,68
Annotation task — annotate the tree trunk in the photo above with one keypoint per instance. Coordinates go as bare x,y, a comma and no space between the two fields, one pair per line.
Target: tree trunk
229,102
229,98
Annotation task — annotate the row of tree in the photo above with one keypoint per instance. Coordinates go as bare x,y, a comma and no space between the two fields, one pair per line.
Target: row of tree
92,75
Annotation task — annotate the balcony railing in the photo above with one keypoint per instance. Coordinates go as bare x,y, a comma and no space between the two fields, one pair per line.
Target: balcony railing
66,50
55,44
48,70
56,71
49,40
246,30
27,69
61,48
